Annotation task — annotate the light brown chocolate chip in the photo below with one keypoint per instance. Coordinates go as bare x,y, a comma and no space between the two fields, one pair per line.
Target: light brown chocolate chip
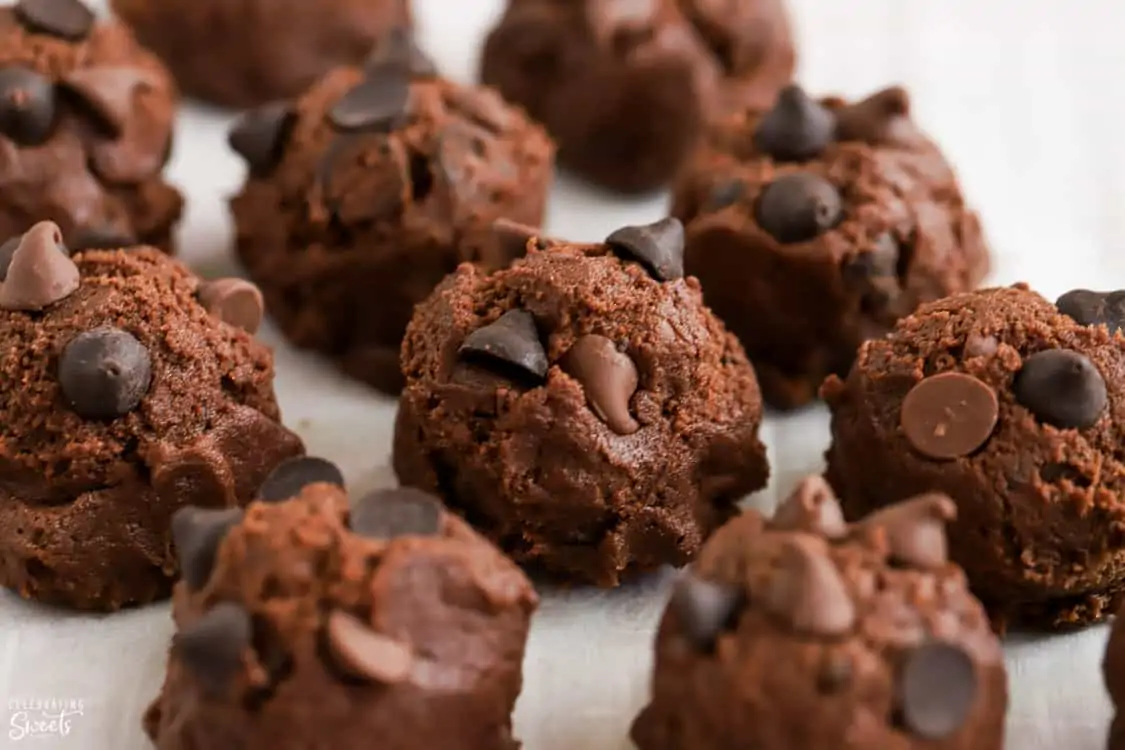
361,652
881,119
107,92
234,301
915,529
949,415
937,690
609,378
211,647
807,591
41,272
812,507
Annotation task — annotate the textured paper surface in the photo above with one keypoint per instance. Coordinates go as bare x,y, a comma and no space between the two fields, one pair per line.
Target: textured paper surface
1028,99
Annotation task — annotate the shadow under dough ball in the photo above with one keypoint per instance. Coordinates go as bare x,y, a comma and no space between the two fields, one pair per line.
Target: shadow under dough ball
816,225
1006,403
806,633
140,390
581,408
86,120
309,620
245,53
367,190
628,87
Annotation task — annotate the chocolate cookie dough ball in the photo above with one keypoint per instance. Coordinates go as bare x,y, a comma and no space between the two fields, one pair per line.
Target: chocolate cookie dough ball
806,633
1016,410
583,409
85,129
370,188
627,87
130,389
816,225
244,53
303,623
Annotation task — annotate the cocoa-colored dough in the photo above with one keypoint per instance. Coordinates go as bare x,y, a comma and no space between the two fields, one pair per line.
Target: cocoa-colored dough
85,502
1041,524
346,231
305,631
803,633
592,419
96,172
627,87
801,298
243,53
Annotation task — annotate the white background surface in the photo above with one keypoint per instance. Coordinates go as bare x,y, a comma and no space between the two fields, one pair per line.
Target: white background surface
1028,99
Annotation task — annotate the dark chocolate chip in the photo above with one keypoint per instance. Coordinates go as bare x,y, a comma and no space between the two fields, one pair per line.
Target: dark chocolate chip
812,507
797,207
511,341
259,136
949,415
362,652
40,272
294,474
882,118
608,377
236,302
398,50
108,93
725,193
102,237
915,530
1062,388
405,511
197,534
67,19
104,373
1094,308
807,591
880,262
27,106
211,647
704,609
797,128
659,247
377,103
937,690
7,250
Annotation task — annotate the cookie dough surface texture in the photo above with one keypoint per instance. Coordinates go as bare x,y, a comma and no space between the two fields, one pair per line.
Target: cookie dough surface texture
1012,406
130,390
309,620
807,633
627,87
816,225
244,53
367,190
86,120
583,409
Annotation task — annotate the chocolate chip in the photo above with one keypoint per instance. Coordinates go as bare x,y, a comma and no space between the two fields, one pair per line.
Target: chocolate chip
27,106
102,237
398,51
291,476
512,240
725,193
363,653
236,302
7,250
659,247
812,507
704,609
197,534
949,415
1062,388
405,511
915,530
377,103
869,267
937,690
40,272
259,136
67,19
1094,308
798,207
797,128
808,592
608,377
511,341
104,373
107,93
882,118
211,647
